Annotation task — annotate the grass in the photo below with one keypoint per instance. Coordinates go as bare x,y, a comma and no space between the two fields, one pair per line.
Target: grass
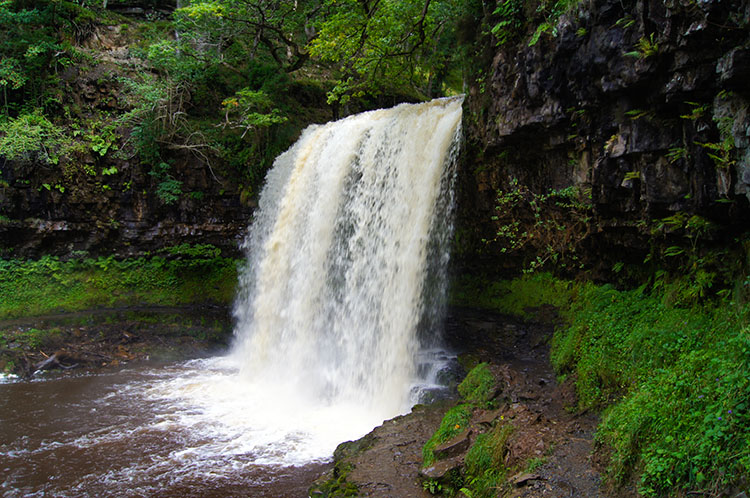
454,422
485,472
178,276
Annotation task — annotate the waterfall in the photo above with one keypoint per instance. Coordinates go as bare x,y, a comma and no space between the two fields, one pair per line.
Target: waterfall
346,257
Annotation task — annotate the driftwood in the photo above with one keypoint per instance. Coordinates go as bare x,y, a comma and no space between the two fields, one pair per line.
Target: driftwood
60,359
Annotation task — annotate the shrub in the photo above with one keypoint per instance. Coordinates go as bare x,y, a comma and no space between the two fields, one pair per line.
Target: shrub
30,137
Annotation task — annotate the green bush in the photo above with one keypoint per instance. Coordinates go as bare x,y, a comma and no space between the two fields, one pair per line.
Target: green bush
30,137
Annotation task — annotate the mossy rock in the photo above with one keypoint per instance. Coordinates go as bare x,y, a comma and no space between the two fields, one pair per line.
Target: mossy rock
479,386
334,484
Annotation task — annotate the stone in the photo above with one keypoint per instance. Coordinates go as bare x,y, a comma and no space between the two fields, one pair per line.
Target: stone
734,70
522,478
441,468
487,417
454,446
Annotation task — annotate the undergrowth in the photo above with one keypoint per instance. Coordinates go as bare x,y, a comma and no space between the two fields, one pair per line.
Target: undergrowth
676,384
673,383
454,422
177,275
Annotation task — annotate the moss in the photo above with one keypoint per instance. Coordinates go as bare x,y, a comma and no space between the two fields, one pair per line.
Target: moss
30,288
515,297
479,385
336,486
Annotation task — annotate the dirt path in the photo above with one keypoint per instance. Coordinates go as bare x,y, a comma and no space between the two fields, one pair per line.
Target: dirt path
560,440
387,462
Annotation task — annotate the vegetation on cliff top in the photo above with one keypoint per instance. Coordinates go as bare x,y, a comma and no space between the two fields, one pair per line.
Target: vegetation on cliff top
230,84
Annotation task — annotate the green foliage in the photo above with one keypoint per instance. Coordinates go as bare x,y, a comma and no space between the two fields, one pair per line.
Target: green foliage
30,137
250,109
391,45
31,45
550,12
697,111
677,153
703,273
225,31
514,297
168,188
510,22
552,225
186,275
679,377
478,386
485,472
454,422
645,48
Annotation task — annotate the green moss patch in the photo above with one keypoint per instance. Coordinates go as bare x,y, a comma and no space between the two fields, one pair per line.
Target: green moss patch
515,297
479,385
175,277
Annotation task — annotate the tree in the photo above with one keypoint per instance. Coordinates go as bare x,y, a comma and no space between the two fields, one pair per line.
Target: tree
382,45
233,32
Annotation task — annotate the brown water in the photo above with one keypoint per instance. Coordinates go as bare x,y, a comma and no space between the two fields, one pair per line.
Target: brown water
113,434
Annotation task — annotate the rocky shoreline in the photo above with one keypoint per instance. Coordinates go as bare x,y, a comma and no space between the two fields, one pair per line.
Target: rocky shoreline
107,338
549,451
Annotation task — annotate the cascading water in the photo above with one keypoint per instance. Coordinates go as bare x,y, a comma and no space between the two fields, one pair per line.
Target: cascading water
340,253
346,272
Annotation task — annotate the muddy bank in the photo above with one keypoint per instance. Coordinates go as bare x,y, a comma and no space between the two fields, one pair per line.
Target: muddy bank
111,338
548,450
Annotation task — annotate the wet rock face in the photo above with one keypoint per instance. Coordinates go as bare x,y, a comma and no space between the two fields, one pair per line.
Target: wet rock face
631,100
118,214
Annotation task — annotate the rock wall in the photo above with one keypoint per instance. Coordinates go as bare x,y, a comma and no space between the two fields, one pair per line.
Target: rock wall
640,104
118,215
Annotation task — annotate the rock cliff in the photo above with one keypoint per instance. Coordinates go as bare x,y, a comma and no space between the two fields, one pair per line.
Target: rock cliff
641,106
